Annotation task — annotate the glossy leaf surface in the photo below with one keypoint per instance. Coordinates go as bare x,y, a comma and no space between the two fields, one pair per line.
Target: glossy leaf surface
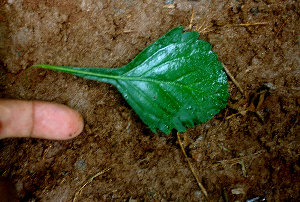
175,82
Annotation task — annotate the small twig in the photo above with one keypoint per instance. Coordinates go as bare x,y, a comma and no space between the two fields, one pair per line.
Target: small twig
238,25
46,152
191,21
243,168
246,24
127,31
169,6
89,181
240,112
237,160
282,26
203,31
199,28
233,79
190,165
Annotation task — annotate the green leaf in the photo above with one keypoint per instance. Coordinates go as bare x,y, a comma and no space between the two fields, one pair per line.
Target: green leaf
175,82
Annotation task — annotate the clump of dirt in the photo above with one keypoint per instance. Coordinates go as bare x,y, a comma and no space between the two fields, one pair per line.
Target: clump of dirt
250,149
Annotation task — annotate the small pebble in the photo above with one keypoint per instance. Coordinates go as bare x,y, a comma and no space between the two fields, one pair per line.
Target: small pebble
254,11
80,165
169,2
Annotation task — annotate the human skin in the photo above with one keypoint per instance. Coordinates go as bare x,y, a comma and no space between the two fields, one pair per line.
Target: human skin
38,119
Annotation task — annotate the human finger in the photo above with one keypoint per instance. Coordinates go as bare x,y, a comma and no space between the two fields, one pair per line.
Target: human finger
38,119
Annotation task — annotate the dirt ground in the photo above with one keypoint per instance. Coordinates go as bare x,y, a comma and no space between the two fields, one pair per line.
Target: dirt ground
250,149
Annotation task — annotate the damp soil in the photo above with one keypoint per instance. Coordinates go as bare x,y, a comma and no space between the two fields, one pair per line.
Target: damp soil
250,149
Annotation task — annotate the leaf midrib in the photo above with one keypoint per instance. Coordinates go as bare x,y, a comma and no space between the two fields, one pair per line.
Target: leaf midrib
129,78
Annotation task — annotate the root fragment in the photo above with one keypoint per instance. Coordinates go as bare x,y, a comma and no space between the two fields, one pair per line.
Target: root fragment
89,181
190,165
233,80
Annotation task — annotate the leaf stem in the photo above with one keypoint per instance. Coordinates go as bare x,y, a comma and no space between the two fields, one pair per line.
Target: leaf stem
72,70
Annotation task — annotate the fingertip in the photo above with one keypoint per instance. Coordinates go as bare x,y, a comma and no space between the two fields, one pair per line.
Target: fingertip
55,121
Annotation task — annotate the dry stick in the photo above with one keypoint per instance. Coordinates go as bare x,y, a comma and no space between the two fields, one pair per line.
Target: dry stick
198,29
169,6
233,79
89,181
237,160
191,21
190,165
46,152
246,24
127,31
234,25
203,31
282,26
240,112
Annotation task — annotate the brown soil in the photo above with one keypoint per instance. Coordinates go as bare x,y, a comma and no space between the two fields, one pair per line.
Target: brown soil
239,157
